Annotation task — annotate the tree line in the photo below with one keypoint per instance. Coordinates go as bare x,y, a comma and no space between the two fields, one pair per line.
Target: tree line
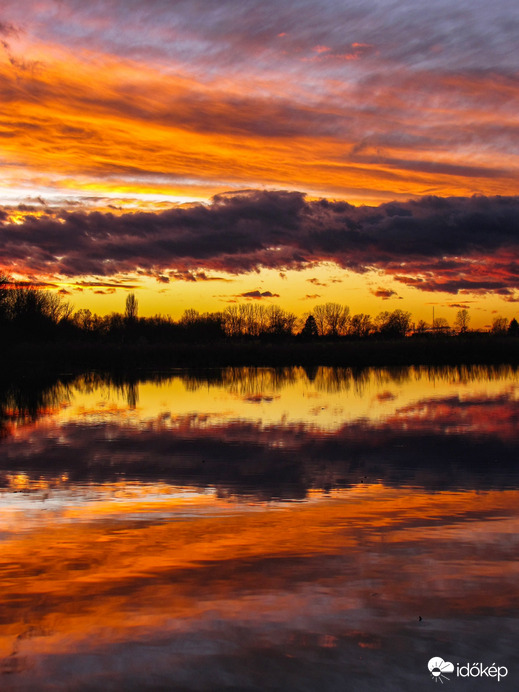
31,313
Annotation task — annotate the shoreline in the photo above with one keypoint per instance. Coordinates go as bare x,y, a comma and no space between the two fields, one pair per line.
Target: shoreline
484,350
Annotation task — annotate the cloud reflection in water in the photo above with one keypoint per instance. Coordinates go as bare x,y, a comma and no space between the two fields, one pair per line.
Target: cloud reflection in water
161,547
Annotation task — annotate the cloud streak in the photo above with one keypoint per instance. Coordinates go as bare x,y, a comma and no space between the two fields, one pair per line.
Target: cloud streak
180,98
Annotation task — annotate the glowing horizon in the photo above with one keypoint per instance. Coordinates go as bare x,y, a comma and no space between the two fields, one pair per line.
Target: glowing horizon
111,112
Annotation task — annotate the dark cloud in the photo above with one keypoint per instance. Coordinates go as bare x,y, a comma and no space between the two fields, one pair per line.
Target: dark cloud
191,276
409,280
202,276
32,283
434,244
106,284
462,285
384,293
258,295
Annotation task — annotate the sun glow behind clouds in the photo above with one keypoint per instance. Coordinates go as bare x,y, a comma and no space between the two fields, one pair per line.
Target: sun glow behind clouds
115,110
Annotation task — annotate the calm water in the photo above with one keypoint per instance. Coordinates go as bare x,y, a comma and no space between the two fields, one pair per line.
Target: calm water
256,529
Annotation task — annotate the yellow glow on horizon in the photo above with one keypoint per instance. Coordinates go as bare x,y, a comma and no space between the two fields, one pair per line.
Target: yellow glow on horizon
299,291
148,137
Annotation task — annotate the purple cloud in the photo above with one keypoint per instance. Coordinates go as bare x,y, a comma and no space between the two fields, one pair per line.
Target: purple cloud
384,293
258,295
432,244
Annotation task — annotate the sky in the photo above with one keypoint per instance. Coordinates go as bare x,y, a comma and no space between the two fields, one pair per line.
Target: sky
297,152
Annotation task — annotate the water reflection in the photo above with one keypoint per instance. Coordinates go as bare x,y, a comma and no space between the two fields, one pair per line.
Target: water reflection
258,529
269,433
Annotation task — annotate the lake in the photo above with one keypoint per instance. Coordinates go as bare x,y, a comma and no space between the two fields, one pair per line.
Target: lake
260,529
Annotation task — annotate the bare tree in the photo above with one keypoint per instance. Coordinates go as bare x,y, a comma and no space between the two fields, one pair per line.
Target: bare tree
461,323
360,325
189,318
336,317
132,307
279,321
254,318
261,318
233,321
440,325
25,303
393,324
499,325
331,318
319,313
83,319
5,283
56,308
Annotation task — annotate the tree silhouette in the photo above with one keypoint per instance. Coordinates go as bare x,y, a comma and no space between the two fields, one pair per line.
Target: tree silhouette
394,324
319,314
32,312
310,328
336,316
461,323
5,282
513,327
499,325
360,325
132,308
280,322
440,325
421,327
233,321
331,318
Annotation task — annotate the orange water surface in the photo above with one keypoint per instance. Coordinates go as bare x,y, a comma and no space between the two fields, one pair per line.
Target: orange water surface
258,529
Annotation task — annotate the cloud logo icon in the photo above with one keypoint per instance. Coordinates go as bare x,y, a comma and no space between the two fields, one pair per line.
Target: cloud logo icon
438,667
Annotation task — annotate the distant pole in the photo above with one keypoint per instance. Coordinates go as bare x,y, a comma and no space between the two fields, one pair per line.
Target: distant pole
433,318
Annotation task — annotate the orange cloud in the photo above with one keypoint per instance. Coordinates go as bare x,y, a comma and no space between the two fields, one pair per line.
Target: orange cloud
143,131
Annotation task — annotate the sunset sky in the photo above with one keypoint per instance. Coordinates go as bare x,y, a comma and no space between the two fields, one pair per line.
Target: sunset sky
295,152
